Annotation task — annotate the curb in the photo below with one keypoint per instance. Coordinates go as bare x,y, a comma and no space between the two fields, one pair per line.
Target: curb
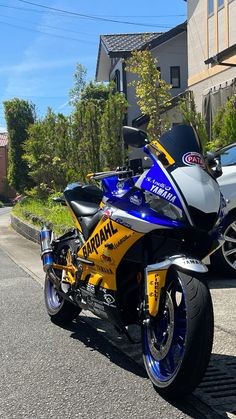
25,229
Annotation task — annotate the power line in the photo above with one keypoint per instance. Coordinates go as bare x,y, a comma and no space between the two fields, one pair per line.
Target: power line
48,34
48,26
142,16
91,17
27,9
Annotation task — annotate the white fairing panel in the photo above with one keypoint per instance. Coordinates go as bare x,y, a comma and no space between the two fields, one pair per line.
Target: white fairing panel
134,223
200,190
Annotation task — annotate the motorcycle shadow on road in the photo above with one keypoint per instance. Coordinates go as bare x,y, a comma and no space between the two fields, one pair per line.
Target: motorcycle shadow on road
97,338
216,388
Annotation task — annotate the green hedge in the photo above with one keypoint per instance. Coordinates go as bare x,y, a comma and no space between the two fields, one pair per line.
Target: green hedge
38,213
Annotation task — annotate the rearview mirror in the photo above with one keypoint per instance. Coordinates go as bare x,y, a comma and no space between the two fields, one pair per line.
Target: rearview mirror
134,137
214,164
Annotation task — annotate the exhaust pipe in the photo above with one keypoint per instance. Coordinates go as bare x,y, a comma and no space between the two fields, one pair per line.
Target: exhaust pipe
47,255
46,248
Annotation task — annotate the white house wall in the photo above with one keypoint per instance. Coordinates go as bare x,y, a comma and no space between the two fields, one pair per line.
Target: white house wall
104,66
171,54
232,23
207,36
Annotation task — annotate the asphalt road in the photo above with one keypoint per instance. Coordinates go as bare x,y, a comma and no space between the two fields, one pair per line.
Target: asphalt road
87,370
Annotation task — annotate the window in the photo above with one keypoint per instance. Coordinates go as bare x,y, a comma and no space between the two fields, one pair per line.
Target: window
210,7
228,156
175,76
220,4
117,80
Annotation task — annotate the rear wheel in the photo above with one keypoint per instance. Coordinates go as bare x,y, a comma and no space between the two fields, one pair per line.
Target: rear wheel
177,343
61,311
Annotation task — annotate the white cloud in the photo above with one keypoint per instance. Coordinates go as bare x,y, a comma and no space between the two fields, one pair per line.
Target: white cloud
29,65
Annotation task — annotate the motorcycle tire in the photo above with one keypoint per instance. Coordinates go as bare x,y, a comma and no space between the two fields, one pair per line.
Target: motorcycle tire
60,311
177,343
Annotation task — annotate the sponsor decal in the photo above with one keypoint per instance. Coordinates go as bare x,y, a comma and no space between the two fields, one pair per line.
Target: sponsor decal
91,288
106,258
136,200
161,185
120,185
104,270
109,299
193,158
192,261
107,212
93,244
163,193
121,241
122,222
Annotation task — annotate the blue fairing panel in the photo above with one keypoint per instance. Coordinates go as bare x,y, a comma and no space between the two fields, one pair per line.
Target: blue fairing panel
158,184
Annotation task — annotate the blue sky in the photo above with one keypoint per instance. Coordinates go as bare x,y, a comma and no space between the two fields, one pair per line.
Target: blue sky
39,47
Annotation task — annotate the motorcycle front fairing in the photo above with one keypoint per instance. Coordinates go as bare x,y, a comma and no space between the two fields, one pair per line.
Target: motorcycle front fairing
147,219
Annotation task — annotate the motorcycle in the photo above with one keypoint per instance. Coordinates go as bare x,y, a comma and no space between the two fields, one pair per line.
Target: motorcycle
136,255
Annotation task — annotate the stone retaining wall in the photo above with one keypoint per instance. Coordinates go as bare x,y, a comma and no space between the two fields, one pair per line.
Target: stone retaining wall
25,229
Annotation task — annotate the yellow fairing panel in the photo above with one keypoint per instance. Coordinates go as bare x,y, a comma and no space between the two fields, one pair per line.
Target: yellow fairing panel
77,224
106,247
163,150
155,281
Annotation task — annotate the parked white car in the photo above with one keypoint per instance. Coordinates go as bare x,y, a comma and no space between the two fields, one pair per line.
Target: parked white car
225,257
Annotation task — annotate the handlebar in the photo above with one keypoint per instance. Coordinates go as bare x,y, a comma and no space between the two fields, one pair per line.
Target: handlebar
103,175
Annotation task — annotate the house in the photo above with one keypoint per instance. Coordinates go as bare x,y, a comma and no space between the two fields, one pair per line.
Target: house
169,47
3,161
211,53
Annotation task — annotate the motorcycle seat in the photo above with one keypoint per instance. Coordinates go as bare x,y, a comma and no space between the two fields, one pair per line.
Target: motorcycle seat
84,209
83,194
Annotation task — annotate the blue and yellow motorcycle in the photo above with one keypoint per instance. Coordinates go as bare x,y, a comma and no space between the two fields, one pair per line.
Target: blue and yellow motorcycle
136,255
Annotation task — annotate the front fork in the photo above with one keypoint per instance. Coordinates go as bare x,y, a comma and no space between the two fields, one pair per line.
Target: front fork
155,280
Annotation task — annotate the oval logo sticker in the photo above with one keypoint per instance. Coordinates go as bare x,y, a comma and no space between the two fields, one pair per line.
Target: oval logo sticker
192,158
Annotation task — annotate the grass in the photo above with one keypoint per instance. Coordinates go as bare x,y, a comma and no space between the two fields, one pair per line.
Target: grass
38,213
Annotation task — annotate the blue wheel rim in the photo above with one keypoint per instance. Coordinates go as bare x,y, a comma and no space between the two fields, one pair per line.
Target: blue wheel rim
164,368
54,301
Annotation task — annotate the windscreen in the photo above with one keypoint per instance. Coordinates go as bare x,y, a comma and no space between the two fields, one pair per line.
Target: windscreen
183,145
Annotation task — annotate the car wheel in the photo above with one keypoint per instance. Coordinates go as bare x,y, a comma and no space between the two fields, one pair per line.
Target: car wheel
225,258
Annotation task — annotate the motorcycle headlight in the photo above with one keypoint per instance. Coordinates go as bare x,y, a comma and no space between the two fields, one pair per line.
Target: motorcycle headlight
163,207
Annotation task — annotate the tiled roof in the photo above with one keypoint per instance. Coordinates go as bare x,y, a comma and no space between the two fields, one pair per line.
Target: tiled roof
128,41
3,139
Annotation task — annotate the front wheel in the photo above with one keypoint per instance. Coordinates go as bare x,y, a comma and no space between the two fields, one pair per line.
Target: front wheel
177,343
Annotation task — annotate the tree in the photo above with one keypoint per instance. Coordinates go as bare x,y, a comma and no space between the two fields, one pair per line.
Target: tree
191,117
96,127
96,91
46,153
152,92
20,115
79,83
86,123
112,150
224,124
